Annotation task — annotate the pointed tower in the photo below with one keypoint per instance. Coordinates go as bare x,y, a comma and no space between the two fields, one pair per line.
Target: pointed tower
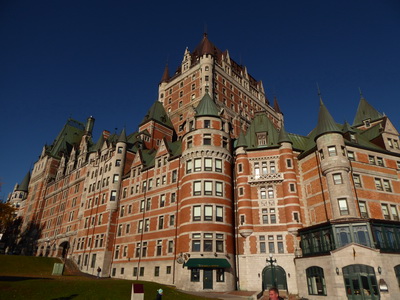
334,165
366,114
206,208
20,193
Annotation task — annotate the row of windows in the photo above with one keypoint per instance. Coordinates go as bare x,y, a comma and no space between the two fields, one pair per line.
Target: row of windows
208,188
206,141
141,249
195,274
147,185
203,164
380,184
374,160
160,225
208,212
264,168
274,244
207,243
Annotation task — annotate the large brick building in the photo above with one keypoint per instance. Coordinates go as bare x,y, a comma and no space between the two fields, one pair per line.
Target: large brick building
212,193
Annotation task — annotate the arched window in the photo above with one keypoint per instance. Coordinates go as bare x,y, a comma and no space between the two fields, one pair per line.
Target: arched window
316,281
397,272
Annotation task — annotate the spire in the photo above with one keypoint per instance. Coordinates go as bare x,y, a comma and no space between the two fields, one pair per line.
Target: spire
326,124
241,141
122,137
283,136
99,143
347,127
207,107
276,106
165,76
365,111
23,186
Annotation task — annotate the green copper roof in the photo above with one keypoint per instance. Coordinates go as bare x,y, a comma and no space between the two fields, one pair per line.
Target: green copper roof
122,137
207,107
326,124
347,127
261,124
283,136
23,186
241,141
69,136
157,113
365,111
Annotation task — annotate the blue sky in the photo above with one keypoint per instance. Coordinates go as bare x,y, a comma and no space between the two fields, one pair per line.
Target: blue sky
61,59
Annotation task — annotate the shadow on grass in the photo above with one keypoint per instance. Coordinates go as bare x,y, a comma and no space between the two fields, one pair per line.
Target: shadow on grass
66,298
20,278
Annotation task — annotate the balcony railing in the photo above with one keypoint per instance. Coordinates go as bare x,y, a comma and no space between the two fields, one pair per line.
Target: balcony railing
273,177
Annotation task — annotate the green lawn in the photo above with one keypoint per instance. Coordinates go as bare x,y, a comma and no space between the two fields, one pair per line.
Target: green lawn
24,277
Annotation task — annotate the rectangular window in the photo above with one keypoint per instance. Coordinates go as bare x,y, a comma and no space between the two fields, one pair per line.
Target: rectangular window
332,151
148,204
379,161
371,160
208,164
271,247
195,275
197,213
174,176
386,185
208,213
385,211
197,164
146,225
363,209
350,155
197,188
135,271
159,247
140,226
168,270
207,139
272,215
378,184
219,214
357,180
141,205
218,165
262,244
173,197
196,245
289,163
292,187
207,124
218,188
162,200
170,246
171,220
393,210
116,178
337,178
189,166
160,222
207,187
189,142
220,275
208,246
113,195
343,208
141,271
280,247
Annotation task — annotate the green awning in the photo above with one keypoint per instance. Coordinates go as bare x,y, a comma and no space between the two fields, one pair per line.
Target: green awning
207,263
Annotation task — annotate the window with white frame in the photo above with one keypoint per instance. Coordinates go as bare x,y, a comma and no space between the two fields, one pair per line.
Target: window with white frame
337,178
343,207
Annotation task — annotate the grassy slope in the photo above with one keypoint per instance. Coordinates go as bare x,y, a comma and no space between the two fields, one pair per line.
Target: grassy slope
23,277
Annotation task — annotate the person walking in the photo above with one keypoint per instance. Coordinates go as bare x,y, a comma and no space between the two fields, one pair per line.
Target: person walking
159,294
98,272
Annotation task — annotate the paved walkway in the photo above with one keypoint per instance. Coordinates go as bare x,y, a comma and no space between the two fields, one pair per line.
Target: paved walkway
234,295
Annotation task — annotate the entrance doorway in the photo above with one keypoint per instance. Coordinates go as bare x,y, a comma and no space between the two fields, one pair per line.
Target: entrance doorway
360,282
63,248
208,279
274,276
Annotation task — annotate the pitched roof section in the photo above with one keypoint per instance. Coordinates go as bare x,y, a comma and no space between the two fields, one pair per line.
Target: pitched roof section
276,106
158,114
23,186
207,107
365,111
326,124
261,124
70,135
241,141
205,47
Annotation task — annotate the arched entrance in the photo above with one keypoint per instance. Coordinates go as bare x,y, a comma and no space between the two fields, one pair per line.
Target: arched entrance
360,282
274,276
63,249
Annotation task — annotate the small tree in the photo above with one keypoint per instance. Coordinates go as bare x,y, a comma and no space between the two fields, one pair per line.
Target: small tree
7,216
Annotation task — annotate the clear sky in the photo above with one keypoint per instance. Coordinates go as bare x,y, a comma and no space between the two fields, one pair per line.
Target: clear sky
61,59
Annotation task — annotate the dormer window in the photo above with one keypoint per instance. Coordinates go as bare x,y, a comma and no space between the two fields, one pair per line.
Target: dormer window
353,138
207,124
262,138
367,123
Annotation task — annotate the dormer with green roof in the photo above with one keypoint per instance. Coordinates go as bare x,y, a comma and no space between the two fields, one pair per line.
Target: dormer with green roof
366,114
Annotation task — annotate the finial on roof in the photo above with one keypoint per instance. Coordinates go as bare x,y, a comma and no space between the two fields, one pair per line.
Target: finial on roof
361,94
205,29
319,93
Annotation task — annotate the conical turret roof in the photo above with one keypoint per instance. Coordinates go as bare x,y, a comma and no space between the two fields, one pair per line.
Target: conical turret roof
165,77
241,141
207,107
23,186
283,136
365,111
122,137
326,124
